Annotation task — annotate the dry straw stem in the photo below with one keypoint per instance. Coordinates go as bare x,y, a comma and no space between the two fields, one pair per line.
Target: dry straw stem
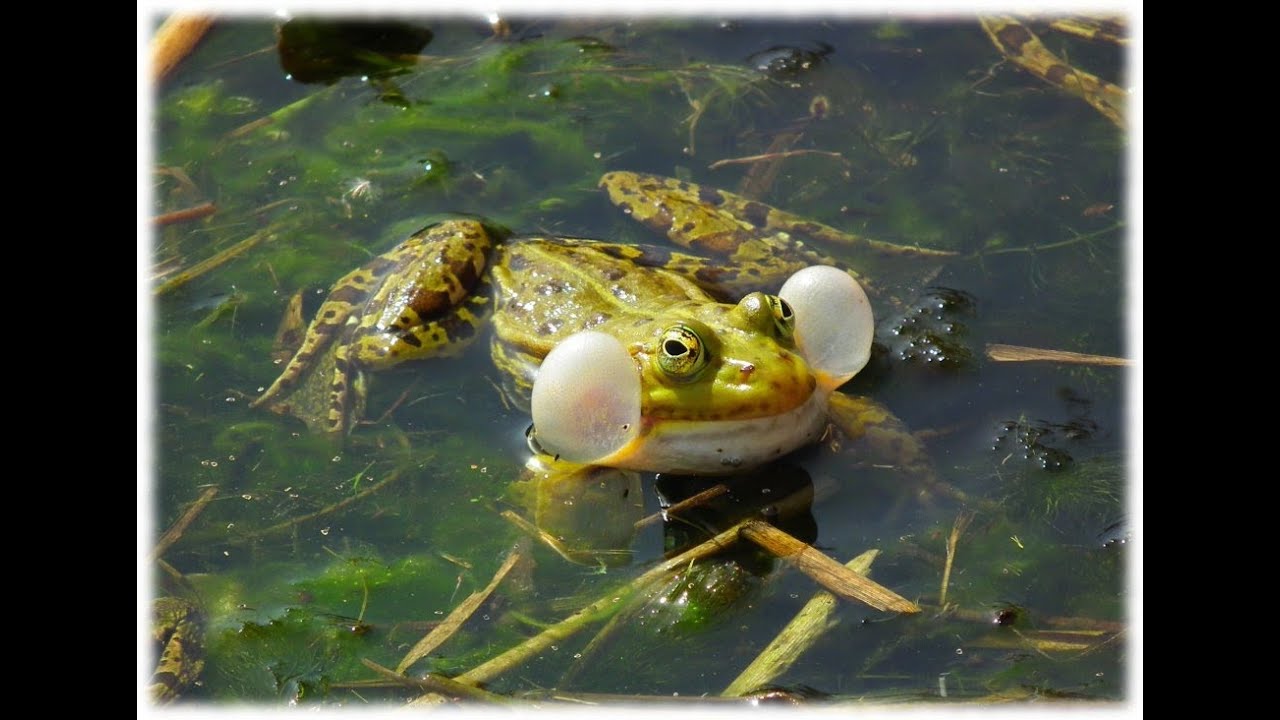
174,40
294,522
1018,353
438,684
957,529
212,262
797,637
828,573
539,534
175,531
460,614
572,624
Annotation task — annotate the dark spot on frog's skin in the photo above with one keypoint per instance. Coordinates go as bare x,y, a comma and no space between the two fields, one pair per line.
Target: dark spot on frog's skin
457,328
410,339
709,274
687,227
753,271
468,274
428,303
380,352
708,196
808,228
756,213
379,266
614,274
330,314
517,262
1056,73
347,294
1013,37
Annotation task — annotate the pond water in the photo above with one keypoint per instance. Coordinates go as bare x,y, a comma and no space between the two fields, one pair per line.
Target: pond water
322,144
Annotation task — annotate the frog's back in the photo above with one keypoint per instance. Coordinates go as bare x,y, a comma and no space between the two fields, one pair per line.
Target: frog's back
550,288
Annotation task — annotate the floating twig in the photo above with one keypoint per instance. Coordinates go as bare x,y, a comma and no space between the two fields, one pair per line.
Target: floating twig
195,212
694,500
327,510
212,262
437,684
1018,353
460,614
279,115
610,602
957,529
174,40
538,533
769,157
179,527
828,573
797,637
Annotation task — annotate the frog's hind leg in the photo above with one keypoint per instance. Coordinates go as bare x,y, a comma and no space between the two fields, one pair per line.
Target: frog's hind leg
424,298
764,244
881,439
345,300
445,333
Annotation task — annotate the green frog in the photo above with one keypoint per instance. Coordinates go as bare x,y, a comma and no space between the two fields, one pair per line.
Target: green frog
635,357
177,629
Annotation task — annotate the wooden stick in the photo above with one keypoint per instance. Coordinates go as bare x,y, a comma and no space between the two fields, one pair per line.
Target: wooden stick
826,572
694,500
176,530
460,614
797,637
174,40
1018,353
195,212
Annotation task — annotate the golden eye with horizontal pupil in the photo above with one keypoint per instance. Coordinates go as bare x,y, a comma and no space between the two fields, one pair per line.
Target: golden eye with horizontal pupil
783,317
682,353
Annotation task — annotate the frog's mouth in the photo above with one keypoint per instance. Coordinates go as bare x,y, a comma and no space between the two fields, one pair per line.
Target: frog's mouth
722,446
586,400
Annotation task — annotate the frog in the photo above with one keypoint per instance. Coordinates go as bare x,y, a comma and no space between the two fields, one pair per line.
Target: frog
713,359
1017,43
177,630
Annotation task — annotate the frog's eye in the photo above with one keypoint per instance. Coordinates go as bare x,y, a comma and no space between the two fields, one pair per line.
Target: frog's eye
586,400
682,354
833,322
784,318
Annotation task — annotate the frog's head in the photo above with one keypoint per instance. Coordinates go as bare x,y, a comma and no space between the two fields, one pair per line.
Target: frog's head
707,387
